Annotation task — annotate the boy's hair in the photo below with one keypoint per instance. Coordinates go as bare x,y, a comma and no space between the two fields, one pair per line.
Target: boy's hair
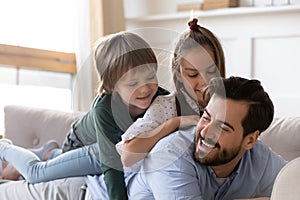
261,110
197,36
117,53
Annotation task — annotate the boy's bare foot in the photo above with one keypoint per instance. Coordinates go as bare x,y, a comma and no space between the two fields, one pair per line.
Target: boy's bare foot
44,152
5,141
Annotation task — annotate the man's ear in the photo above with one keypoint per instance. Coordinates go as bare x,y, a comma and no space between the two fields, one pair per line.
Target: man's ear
250,139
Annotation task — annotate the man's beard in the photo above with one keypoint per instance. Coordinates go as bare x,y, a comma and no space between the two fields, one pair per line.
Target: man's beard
220,157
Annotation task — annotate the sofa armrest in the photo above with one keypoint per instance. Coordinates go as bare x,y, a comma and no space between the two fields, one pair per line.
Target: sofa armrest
31,127
287,182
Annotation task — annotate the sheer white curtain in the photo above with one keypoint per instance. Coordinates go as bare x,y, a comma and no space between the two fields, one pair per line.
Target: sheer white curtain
96,18
83,82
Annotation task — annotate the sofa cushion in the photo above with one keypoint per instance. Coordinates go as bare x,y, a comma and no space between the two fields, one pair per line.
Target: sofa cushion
32,127
283,136
287,182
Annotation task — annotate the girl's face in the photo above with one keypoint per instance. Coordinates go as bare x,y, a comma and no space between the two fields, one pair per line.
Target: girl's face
137,88
197,67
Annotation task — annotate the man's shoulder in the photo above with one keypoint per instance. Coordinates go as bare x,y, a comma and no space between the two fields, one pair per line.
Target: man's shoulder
179,141
261,156
263,151
172,148
262,165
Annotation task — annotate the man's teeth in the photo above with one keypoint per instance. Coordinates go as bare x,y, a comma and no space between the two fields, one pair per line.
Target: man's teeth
208,145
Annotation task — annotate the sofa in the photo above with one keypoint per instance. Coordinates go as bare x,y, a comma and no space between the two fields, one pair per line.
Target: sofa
31,127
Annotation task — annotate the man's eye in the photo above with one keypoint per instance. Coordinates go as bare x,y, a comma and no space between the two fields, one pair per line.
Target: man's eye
223,128
206,119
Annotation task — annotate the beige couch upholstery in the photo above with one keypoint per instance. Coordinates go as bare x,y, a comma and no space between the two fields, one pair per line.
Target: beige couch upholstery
283,136
32,127
286,186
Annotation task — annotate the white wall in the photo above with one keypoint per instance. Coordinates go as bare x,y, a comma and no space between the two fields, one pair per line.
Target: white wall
259,42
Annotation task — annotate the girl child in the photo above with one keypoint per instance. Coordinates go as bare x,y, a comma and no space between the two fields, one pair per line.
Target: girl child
198,57
127,69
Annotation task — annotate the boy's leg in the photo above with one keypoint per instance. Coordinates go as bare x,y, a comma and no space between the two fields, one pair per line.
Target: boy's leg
78,162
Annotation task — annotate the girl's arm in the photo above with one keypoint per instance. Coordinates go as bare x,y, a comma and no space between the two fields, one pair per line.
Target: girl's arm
138,147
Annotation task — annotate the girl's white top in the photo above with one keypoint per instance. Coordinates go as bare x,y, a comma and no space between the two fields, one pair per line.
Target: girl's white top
162,109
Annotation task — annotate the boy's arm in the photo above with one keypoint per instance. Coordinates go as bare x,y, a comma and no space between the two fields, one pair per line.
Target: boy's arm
112,168
115,184
107,135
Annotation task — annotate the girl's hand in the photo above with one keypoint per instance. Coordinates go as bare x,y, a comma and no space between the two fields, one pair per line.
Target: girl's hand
186,121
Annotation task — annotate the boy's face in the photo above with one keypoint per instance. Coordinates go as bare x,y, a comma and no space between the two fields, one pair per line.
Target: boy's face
197,68
219,136
138,86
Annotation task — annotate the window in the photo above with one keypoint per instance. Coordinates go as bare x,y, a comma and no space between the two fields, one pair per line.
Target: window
49,25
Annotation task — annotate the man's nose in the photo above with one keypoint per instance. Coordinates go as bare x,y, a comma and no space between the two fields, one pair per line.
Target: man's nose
210,131
205,129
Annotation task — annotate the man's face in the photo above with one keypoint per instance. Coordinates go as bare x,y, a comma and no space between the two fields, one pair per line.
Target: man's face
219,135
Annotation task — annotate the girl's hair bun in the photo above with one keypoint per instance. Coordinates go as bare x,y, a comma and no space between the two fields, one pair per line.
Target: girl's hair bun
193,24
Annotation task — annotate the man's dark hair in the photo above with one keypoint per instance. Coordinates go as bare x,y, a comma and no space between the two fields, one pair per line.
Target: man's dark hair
261,109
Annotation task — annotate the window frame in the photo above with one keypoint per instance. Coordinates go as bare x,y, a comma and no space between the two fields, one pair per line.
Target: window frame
37,59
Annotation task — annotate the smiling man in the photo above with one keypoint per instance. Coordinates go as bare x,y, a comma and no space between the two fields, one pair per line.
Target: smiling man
222,157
